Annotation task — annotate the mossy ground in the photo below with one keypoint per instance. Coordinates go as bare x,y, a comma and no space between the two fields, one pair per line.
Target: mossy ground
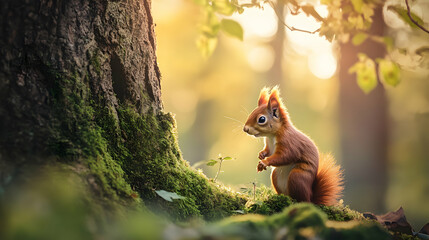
267,202
298,221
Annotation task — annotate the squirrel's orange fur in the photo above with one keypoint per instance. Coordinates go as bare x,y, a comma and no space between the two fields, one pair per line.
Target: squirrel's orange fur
298,171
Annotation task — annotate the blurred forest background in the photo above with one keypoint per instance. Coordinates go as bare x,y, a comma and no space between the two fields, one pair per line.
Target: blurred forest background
381,139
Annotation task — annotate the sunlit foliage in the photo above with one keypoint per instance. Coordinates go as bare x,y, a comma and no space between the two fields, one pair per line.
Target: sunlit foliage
348,20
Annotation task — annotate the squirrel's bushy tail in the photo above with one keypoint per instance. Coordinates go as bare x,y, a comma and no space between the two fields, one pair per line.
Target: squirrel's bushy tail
329,181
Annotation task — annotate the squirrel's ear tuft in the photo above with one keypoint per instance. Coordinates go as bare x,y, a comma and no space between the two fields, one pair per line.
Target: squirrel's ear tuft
263,96
274,102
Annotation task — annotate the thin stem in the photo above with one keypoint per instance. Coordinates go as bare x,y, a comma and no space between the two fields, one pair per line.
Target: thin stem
290,28
412,19
218,171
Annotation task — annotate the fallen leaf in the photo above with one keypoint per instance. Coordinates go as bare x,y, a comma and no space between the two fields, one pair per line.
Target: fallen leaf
168,196
425,229
393,221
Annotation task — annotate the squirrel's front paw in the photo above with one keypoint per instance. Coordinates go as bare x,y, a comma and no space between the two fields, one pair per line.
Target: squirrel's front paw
262,154
261,166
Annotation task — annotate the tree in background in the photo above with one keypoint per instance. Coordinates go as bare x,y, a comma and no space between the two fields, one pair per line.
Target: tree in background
363,127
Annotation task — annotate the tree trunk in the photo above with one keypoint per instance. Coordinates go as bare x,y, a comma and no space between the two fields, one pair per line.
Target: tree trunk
275,74
80,86
364,129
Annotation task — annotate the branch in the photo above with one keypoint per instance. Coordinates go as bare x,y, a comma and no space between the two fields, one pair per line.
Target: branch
290,28
412,19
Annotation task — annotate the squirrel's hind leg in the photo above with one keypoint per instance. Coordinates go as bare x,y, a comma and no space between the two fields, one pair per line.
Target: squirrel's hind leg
299,185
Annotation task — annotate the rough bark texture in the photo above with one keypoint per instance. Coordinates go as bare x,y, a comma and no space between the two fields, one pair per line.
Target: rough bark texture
80,88
108,46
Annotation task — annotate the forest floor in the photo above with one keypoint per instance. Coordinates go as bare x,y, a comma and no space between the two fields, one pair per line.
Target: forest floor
54,206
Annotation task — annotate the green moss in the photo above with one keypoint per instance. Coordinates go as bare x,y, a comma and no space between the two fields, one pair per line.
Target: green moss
130,154
272,204
298,221
355,230
403,236
267,202
341,213
95,62
152,161
77,139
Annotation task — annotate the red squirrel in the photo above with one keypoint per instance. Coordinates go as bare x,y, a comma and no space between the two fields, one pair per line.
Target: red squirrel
298,171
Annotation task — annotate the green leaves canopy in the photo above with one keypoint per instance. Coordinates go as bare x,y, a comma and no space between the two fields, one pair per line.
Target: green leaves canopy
347,20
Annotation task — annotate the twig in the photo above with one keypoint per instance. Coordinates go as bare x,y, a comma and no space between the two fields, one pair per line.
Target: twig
412,19
290,28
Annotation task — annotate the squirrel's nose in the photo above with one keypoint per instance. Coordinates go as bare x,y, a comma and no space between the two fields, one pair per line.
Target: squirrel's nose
246,129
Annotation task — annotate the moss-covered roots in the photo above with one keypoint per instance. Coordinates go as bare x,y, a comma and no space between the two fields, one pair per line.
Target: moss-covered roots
129,155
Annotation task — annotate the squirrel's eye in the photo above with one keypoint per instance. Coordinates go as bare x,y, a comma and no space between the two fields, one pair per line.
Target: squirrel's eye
262,119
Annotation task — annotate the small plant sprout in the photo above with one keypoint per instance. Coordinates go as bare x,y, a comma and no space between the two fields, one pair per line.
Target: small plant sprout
219,160
254,190
248,191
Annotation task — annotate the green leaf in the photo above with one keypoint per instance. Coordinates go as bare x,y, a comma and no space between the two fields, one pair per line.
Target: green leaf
357,5
389,72
211,26
168,196
211,162
232,28
359,38
206,45
328,32
227,158
223,7
365,73
368,11
356,22
238,211
403,14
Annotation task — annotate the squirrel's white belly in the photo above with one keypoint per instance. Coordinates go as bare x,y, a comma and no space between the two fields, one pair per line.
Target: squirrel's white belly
282,173
271,143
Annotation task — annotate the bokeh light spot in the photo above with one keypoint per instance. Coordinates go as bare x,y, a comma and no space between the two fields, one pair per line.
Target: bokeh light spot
322,64
261,58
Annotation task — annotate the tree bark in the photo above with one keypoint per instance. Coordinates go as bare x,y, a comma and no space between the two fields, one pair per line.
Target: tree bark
80,86
275,74
364,129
